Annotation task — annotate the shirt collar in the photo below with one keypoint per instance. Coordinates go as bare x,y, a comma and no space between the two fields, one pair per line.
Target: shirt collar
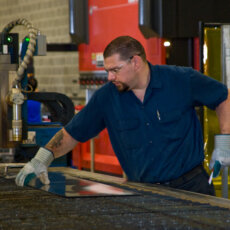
154,77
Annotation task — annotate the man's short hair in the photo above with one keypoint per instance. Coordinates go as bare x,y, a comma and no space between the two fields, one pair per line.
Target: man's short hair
126,46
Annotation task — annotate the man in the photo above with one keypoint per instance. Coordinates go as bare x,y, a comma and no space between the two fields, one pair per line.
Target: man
150,116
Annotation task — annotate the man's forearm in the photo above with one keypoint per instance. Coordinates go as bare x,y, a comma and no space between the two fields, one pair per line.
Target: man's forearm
61,143
223,114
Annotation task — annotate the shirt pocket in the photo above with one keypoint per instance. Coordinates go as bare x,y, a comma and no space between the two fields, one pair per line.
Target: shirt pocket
171,123
129,133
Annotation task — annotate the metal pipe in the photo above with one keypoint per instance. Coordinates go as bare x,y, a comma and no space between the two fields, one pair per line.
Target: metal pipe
224,187
225,63
92,154
17,123
17,99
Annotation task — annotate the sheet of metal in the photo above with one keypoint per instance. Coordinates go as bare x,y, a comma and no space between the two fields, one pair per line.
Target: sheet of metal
67,185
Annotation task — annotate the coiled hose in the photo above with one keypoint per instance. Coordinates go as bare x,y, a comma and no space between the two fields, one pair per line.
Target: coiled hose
30,49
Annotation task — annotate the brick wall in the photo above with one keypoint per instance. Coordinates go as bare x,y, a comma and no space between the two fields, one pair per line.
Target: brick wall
57,71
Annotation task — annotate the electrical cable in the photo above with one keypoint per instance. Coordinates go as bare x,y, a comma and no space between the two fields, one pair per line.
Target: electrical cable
33,32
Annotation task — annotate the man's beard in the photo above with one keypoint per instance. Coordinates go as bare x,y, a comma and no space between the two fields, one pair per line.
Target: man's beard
121,87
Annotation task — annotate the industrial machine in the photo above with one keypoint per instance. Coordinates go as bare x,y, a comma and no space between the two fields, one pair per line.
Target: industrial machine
15,131
214,62
150,206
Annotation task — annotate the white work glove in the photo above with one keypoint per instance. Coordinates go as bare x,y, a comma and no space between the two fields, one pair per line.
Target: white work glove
221,153
37,166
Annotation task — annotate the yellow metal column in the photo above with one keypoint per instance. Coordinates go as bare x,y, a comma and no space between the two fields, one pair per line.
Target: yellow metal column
212,68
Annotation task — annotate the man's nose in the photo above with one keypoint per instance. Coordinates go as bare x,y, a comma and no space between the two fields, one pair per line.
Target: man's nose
111,76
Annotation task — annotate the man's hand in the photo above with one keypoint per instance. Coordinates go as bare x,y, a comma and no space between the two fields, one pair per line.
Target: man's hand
221,153
37,166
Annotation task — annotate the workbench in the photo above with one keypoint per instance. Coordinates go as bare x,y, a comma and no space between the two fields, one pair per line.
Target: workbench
153,207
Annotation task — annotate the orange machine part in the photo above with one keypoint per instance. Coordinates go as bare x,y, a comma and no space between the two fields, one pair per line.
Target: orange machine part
107,20
196,47
104,160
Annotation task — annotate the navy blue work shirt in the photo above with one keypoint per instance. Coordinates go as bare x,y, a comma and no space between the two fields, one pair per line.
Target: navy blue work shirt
157,140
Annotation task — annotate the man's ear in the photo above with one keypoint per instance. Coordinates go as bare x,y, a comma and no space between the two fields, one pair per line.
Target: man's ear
136,61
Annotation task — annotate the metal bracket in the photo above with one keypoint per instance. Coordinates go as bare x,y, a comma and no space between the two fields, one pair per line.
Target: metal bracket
8,166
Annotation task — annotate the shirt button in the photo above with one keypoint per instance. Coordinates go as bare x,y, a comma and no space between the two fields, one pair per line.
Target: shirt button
150,142
147,124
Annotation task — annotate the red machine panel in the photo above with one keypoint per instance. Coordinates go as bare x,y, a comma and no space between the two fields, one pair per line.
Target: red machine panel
104,158
107,20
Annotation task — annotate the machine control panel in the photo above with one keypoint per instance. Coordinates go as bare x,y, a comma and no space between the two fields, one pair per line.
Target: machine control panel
9,45
92,79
